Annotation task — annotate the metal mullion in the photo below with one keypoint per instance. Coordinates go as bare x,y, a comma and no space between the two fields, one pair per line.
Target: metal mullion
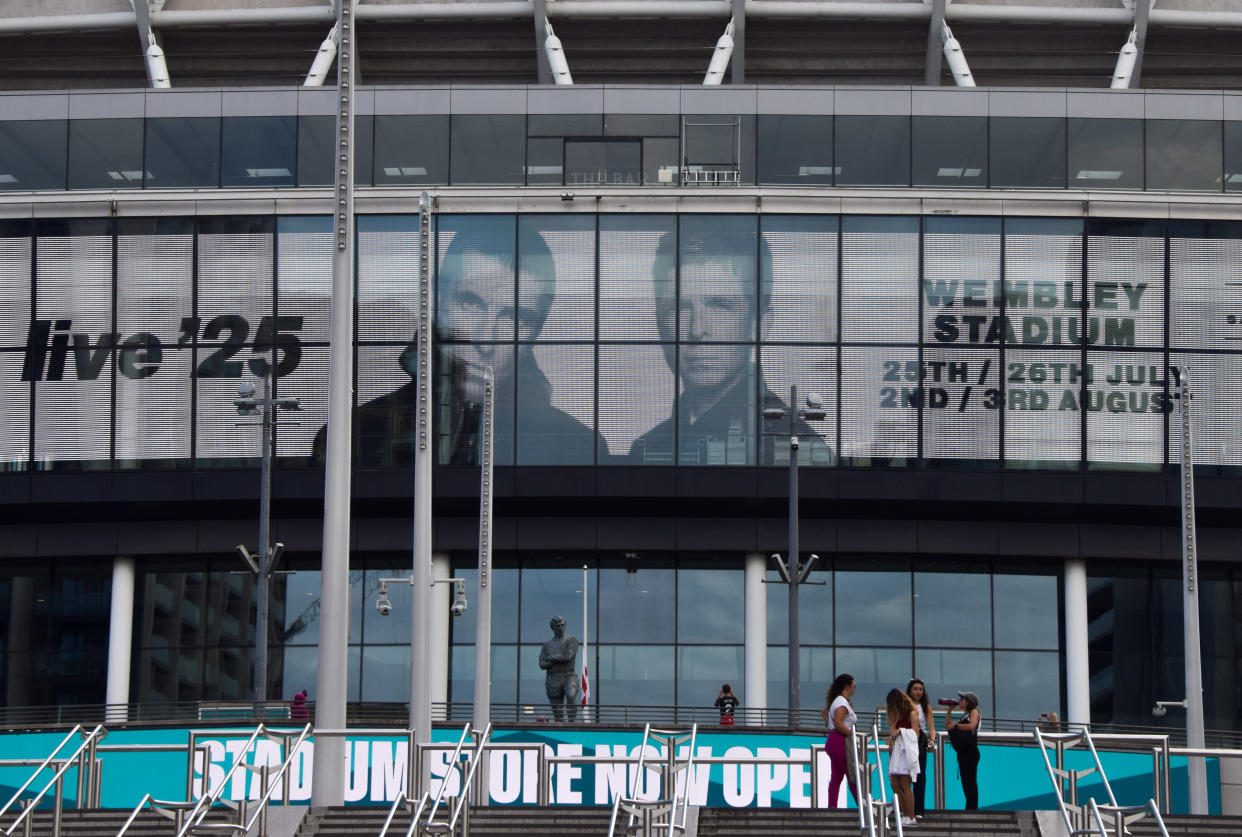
112,367
920,461
34,298
840,335
1003,313
595,455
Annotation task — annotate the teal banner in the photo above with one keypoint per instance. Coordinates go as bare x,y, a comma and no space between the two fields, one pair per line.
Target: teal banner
134,762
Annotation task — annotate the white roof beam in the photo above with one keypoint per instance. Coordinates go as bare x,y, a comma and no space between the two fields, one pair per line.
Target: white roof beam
556,57
720,58
152,53
956,58
1126,59
325,58
1142,12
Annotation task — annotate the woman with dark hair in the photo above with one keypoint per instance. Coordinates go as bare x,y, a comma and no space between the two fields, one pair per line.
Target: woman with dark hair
903,751
840,717
964,736
917,692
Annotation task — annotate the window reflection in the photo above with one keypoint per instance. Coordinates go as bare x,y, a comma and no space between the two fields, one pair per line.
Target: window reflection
633,675
795,150
873,608
875,670
637,605
702,670
710,606
950,151
1026,152
1184,154
1105,153
953,608
947,672
1028,683
258,151
1029,607
105,154
33,154
873,150
816,668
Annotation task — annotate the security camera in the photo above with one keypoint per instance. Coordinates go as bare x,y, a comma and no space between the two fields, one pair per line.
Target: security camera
814,400
459,598
245,389
383,606
1159,711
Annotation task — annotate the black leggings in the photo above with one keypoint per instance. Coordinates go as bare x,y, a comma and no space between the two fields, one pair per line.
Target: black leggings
968,769
920,785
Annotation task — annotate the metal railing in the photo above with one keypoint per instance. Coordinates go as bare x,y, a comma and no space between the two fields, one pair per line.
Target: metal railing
670,812
1087,818
88,780
868,805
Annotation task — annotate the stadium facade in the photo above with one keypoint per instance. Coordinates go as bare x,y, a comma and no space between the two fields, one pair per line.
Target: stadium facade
987,286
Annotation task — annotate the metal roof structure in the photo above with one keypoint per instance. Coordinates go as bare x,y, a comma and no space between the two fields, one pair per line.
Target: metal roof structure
1185,44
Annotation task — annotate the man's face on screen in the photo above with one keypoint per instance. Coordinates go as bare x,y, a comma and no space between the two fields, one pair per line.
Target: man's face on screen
716,321
480,307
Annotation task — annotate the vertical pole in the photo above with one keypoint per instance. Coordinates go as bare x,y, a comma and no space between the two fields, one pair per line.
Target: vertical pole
795,565
120,639
755,685
586,634
420,621
737,62
1077,665
328,787
1196,770
262,590
483,607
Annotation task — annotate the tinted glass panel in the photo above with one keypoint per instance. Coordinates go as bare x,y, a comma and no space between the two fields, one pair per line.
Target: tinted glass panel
183,152
544,160
317,145
1026,611
660,167
1233,156
637,605
1027,152
488,149
641,125
33,154
411,149
1184,154
953,608
105,154
795,150
873,150
618,162
1105,153
873,607
709,603
1028,683
950,151
564,125
259,151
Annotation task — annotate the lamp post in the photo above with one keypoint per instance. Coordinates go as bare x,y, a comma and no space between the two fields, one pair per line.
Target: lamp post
1196,770
793,572
263,563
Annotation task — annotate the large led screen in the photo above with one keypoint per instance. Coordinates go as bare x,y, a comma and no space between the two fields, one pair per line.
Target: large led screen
642,340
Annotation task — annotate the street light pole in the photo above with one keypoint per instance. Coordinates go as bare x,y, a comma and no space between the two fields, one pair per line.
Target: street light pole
793,572
1196,770
420,616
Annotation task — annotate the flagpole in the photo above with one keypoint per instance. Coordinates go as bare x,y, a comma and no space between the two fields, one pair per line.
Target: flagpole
586,677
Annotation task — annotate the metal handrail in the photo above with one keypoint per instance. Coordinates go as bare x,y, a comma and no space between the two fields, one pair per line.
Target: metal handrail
77,729
209,796
97,733
852,743
1086,736
435,805
1123,815
463,793
271,783
1056,782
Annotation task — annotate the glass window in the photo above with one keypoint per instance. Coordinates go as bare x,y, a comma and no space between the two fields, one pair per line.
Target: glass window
545,161
504,604
641,125
1184,154
637,277
1028,684
1105,153
875,671
1233,156
637,605
816,667
555,405
945,673
596,163
1026,611
259,151
953,608
633,675
660,166
461,675
636,404
33,154
710,606
183,152
564,125
873,607
719,148
387,272
814,370
1026,152
795,150
105,154
548,592
880,279
411,149
798,278
317,150
386,672
814,609
872,150
487,149
702,669
300,670
950,151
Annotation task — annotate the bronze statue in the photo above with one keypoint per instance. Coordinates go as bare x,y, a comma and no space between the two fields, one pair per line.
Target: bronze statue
561,683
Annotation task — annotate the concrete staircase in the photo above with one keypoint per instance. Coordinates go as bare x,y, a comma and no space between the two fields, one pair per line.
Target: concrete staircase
749,822
106,822
524,820
1187,825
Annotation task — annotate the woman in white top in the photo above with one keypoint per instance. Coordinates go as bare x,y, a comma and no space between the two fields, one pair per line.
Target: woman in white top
839,715
917,692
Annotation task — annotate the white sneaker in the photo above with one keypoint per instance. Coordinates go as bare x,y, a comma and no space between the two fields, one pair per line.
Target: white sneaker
908,822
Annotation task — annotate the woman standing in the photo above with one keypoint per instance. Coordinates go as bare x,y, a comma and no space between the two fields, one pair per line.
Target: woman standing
903,751
839,715
917,692
964,736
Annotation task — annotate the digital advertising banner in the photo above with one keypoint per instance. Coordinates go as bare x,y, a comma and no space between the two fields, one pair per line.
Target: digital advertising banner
1012,778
